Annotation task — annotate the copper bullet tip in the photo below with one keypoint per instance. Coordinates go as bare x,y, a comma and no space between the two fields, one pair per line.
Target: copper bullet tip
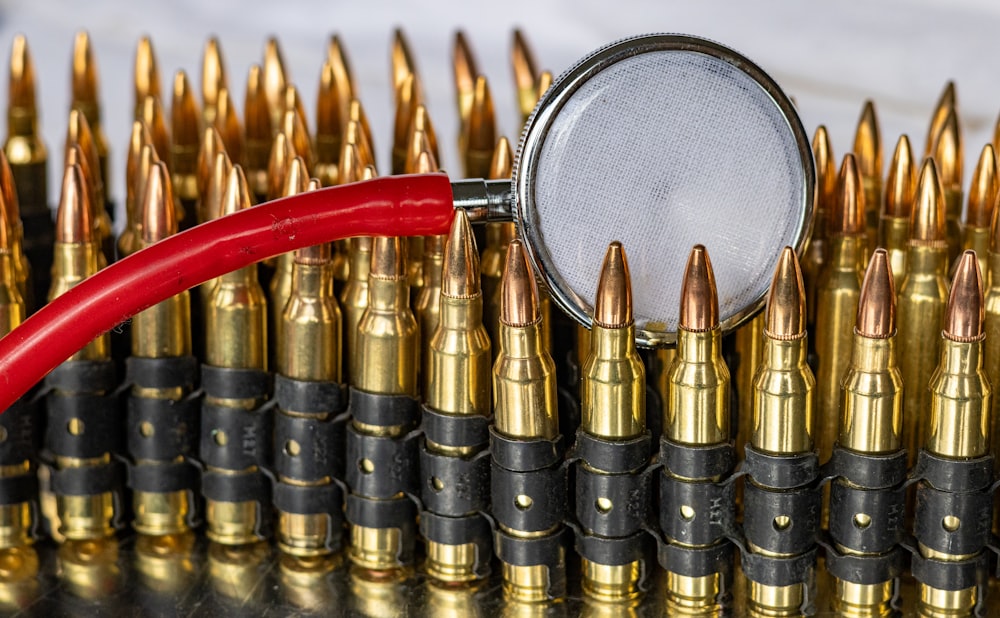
151,113
293,127
518,290
826,171
329,104
388,258
282,154
901,186
983,192
544,83
402,59
876,317
613,305
786,301
947,150
946,102
21,87
275,78
296,178
237,194
868,143
408,97
847,217
256,113
337,57
421,128
213,73
159,218
356,113
146,74
927,220
699,296
482,129
228,125
503,160
211,144
369,173
8,191
350,166
74,219
526,75
185,124
215,187
963,318
464,64
84,82
460,275
425,163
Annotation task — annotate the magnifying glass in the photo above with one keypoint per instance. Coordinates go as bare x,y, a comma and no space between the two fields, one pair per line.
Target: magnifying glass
659,141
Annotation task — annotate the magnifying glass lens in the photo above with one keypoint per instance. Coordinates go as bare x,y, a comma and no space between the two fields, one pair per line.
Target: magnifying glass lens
676,143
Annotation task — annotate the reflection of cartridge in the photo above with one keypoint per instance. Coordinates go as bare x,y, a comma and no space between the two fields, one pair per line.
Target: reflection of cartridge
165,564
954,502
83,428
612,443
235,429
528,482
837,299
869,463
308,436
923,294
381,461
454,462
162,422
696,452
89,569
781,500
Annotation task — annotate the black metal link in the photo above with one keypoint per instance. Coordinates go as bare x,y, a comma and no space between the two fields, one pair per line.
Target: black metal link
780,471
81,376
698,561
613,456
310,499
775,571
613,551
164,477
524,455
868,521
82,425
972,513
794,535
865,569
945,575
162,429
709,514
252,486
306,447
308,396
474,529
18,489
624,506
539,551
21,432
454,486
235,438
697,462
398,513
453,430
381,466
954,475
529,501
383,410
168,372
88,480
868,471
227,383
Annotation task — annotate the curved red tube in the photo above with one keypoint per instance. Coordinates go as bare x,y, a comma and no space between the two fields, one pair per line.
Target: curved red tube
390,206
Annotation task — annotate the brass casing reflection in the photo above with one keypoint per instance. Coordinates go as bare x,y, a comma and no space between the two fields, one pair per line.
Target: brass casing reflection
90,568
164,563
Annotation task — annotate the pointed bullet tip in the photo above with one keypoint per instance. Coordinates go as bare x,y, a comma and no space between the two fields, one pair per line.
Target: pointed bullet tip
848,216
699,296
983,190
927,219
502,162
613,305
876,318
963,318
518,290
786,310
159,219
901,185
460,276
74,218
237,195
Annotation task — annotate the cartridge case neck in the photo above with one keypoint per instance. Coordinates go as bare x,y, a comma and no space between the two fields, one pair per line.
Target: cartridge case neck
524,388
163,330
847,253
613,402
697,409
872,412
22,121
73,262
960,402
784,394
992,273
923,260
386,294
895,235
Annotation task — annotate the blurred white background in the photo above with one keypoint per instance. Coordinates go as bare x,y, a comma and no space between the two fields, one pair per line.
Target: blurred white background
829,56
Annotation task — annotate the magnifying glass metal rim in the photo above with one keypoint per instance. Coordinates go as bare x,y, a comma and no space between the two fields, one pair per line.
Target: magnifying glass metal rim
548,108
